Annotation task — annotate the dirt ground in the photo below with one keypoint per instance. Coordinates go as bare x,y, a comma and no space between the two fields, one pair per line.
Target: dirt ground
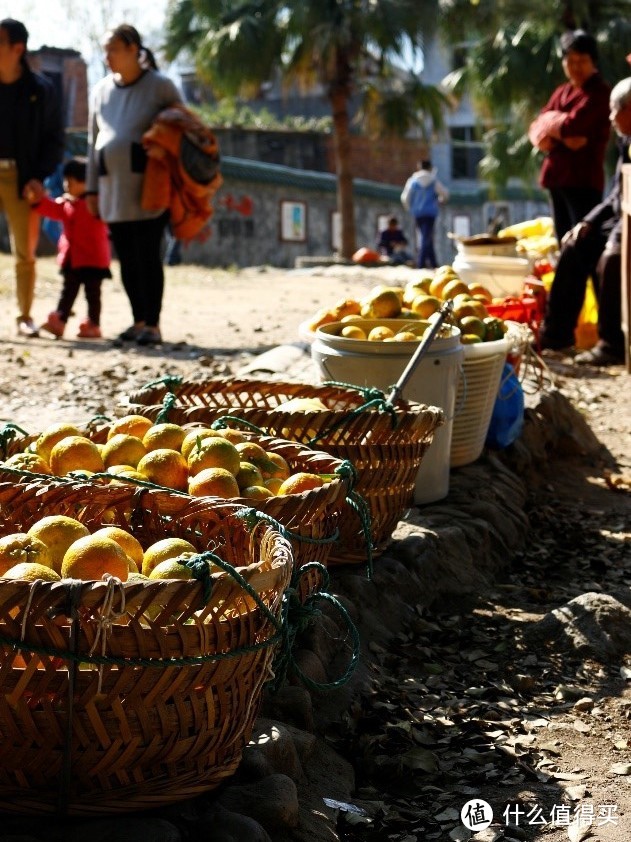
214,322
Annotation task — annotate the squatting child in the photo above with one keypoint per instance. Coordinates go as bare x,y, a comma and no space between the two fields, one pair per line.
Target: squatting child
83,251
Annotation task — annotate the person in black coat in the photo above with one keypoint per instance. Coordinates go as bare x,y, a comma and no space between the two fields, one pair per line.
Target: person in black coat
593,248
31,147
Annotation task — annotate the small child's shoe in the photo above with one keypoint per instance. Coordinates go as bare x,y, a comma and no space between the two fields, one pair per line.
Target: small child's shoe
54,324
88,330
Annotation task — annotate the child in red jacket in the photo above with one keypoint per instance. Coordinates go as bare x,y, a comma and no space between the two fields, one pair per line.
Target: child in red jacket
83,251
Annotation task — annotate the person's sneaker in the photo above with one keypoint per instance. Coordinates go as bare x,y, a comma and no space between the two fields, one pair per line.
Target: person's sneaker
27,328
88,330
131,334
149,336
598,356
54,324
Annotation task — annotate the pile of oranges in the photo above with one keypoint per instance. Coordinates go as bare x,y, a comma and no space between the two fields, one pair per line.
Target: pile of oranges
420,299
191,458
59,547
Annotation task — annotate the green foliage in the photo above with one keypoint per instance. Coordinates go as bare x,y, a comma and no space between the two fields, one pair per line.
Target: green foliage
228,113
513,63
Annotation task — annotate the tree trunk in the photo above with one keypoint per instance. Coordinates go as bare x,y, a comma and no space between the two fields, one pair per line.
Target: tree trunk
342,145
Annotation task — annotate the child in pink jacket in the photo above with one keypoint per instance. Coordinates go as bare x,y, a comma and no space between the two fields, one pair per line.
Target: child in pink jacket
83,251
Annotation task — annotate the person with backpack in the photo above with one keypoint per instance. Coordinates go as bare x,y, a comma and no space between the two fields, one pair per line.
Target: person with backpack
422,196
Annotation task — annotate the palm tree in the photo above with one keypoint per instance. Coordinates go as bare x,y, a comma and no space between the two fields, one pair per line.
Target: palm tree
238,44
513,63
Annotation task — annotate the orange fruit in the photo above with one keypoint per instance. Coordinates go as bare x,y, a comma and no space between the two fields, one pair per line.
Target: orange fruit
213,482
20,547
248,474
477,289
164,467
274,465
382,303
58,532
131,425
346,307
122,449
301,481
273,484
235,436
164,550
28,462
164,436
31,571
379,333
424,305
171,569
216,452
256,492
74,453
251,451
194,440
130,545
94,556
120,477
50,436
115,470
352,332
454,287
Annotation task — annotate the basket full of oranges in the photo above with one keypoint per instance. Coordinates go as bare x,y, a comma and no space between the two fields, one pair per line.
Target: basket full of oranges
137,630
304,490
384,442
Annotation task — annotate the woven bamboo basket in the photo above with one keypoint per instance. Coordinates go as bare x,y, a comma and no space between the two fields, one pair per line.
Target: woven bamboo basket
311,518
386,455
168,717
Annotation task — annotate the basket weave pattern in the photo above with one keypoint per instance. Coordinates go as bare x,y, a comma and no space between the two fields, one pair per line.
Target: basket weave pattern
386,456
87,739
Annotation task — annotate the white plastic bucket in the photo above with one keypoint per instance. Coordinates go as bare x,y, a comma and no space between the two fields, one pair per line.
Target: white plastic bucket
482,371
502,276
380,364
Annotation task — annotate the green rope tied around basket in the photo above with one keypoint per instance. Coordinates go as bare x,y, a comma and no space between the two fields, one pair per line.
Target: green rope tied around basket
168,402
97,419
223,422
7,433
359,505
252,516
373,399
171,381
297,616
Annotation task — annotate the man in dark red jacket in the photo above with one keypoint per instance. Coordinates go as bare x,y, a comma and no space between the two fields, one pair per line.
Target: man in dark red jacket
573,130
31,146
593,248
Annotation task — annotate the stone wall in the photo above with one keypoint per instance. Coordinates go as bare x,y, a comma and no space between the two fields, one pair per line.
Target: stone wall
246,228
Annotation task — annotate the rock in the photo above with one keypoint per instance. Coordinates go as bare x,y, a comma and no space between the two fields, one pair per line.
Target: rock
126,829
310,666
593,625
291,704
272,801
323,636
254,765
221,825
275,742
